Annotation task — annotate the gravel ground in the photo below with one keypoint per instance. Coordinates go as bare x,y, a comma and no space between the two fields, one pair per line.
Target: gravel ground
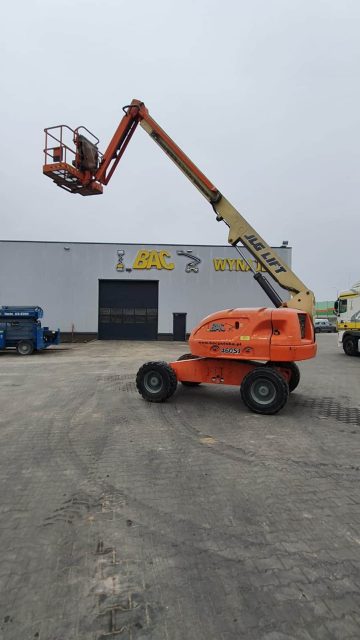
189,520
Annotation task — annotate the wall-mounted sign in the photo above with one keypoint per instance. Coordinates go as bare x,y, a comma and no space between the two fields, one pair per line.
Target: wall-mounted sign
236,264
147,259
154,259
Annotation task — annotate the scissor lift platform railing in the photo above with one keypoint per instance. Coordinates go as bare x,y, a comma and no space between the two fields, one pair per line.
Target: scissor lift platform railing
60,159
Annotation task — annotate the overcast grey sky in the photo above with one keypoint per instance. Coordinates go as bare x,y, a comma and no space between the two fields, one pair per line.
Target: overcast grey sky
263,95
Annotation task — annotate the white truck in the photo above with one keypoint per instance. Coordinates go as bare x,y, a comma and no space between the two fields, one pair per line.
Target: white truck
347,309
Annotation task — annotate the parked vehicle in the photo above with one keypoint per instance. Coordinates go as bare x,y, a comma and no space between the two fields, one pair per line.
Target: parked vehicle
20,329
322,325
347,308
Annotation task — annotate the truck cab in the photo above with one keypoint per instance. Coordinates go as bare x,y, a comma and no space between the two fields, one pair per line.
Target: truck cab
347,309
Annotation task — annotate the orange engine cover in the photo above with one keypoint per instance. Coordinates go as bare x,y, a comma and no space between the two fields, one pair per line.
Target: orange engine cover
255,334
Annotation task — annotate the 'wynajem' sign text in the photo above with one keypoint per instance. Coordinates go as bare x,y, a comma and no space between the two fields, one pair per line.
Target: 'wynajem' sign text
235,264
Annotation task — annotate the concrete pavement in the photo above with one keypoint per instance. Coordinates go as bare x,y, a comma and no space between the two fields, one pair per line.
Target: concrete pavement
189,520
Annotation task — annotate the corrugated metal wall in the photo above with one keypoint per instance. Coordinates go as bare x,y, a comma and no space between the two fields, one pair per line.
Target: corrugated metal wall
63,278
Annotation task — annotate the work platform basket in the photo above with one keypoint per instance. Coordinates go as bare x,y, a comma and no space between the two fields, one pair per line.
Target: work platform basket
71,159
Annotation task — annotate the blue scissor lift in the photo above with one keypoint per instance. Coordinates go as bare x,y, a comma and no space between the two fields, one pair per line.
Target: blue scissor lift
20,329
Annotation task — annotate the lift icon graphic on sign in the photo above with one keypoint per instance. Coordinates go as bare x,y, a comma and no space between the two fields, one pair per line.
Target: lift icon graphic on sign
120,264
191,267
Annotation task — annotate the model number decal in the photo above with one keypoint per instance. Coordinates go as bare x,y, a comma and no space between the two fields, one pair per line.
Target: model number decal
230,350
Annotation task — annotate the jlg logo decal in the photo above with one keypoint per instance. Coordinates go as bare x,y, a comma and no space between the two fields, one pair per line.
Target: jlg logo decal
153,259
267,256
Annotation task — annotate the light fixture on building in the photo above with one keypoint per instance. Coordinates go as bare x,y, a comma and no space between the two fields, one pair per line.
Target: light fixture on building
285,243
66,248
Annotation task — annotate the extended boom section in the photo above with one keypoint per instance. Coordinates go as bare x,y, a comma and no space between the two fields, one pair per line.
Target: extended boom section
88,170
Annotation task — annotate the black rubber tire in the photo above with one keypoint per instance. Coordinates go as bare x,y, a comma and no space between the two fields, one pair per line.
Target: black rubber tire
25,348
173,382
186,383
264,381
156,381
295,372
349,346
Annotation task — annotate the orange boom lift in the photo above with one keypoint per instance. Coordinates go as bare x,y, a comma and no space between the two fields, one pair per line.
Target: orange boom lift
255,349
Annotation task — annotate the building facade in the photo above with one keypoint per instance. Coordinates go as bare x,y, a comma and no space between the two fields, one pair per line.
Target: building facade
128,291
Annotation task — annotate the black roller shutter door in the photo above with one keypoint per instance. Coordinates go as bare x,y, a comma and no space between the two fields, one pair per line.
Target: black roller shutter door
128,310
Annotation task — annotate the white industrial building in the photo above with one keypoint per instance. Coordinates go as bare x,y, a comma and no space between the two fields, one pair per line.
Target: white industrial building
128,291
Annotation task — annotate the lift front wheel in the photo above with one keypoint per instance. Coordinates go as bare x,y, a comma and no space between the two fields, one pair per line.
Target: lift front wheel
156,381
264,390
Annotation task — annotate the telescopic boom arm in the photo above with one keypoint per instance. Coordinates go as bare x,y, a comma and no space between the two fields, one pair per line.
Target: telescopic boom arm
89,172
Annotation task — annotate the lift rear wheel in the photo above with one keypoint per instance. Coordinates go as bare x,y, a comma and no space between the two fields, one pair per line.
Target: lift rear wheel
187,383
295,372
156,381
25,347
264,390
